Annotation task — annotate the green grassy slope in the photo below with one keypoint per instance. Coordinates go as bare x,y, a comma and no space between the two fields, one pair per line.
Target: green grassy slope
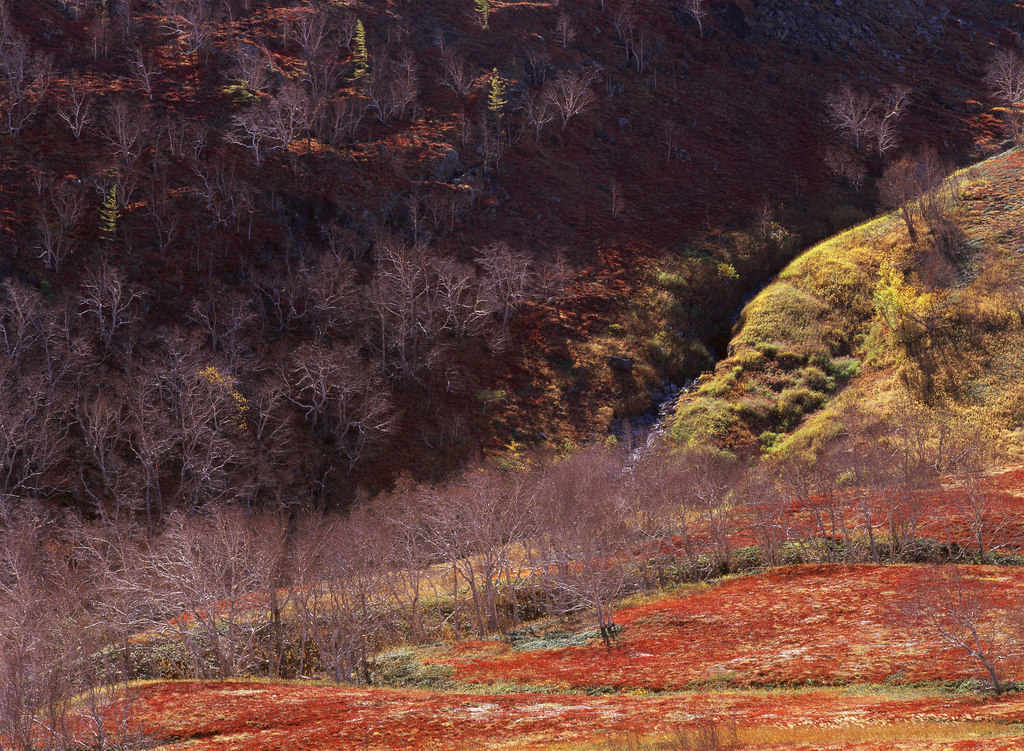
867,321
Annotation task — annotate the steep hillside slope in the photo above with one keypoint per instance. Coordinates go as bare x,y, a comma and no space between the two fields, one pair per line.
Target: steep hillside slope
879,330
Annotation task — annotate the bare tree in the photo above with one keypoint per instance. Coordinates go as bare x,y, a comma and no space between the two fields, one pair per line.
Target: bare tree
808,490
342,118
332,296
845,166
144,69
250,69
406,317
30,439
217,569
1005,77
538,110
852,114
127,130
56,229
100,34
1013,121
698,11
186,139
102,420
346,614
617,201
109,301
279,120
565,29
24,80
31,380
669,137
29,666
580,510
957,610
314,31
317,35
191,21
227,317
407,82
571,93
123,13
646,46
475,524
76,108
555,276
249,131
404,513
979,506
889,109
653,509
458,76
509,278
625,21
392,87
537,61
313,536
461,306
229,199
905,182
770,519
111,553
342,400
287,115
22,320
163,212
150,443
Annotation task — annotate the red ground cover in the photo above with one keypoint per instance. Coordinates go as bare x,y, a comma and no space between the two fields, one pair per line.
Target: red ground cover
950,513
253,717
793,626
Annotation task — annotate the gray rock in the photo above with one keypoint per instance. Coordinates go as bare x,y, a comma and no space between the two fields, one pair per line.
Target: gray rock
620,364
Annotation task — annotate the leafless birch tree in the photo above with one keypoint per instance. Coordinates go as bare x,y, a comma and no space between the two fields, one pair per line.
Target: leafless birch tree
75,108
698,11
1005,77
24,80
571,93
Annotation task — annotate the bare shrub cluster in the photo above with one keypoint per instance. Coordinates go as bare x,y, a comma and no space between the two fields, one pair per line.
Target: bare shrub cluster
867,121
922,191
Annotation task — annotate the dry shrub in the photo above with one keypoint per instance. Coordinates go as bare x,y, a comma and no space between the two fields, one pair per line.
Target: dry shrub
708,735
1013,125
840,735
938,209
935,271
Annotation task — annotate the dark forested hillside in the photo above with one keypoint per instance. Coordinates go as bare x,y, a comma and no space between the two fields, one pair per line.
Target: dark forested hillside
279,252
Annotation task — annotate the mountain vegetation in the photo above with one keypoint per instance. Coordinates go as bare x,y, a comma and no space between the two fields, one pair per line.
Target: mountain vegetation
586,375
